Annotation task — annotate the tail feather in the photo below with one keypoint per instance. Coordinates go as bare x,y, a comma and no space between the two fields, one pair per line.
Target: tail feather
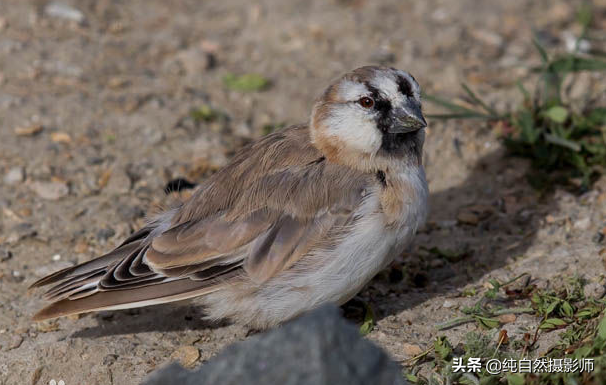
121,299
122,279
88,267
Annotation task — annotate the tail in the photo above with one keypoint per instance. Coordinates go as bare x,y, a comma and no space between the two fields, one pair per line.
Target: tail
117,280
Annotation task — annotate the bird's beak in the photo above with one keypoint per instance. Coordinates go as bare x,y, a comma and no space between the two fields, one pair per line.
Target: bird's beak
407,119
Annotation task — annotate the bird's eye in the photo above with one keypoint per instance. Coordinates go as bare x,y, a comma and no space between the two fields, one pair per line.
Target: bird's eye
366,102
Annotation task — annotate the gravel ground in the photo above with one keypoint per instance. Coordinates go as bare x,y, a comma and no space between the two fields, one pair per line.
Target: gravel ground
95,101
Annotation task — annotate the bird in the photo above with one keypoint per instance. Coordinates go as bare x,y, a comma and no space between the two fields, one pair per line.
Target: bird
303,216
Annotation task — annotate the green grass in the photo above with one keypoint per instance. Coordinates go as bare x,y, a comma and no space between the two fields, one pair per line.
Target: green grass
204,113
564,145
246,83
579,320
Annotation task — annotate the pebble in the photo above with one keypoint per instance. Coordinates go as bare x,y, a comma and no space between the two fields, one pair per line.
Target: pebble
487,37
186,355
61,137
582,224
449,303
29,130
14,175
195,61
15,342
105,234
5,254
50,190
411,350
64,11
19,232
507,318
118,183
47,326
594,290
109,359
468,218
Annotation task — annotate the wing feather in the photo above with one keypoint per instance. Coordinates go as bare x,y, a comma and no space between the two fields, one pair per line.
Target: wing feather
277,201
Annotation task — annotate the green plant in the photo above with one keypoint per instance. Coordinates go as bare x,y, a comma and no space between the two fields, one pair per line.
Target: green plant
560,142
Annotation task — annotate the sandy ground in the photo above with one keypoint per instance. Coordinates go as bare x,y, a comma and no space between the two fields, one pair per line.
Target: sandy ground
111,90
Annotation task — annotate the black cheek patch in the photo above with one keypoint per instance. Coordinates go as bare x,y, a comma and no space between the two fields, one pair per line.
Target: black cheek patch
382,106
404,87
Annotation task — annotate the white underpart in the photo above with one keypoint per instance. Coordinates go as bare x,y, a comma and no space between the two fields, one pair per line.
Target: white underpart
331,275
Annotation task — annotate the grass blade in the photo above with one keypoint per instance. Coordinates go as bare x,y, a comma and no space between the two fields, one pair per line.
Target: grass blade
447,104
460,116
540,48
477,100
563,142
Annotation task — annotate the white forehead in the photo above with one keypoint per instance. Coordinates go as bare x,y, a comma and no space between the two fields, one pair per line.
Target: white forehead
350,90
387,83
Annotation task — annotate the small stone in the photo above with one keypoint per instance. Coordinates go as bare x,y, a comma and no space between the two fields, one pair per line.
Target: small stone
550,219
109,359
47,326
14,175
152,135
582,224
487,37
195,61
81,247
118,183
5,254
50,190
594,290
117,82
186,355
56,257
468,218
19,232
447,224
61,137
449,303
29,130
105,234
411,350
63,11
507,318
14,342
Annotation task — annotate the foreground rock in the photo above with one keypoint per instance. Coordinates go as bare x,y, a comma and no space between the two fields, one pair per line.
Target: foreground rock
318,348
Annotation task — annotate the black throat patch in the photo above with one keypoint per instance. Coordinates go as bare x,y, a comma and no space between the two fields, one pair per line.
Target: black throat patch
391,143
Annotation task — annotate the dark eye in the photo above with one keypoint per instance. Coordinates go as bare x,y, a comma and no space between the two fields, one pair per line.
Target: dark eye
366,102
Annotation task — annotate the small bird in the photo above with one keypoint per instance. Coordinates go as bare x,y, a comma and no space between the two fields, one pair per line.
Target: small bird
303,216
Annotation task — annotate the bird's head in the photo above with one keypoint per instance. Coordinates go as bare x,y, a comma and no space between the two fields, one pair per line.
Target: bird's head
370,119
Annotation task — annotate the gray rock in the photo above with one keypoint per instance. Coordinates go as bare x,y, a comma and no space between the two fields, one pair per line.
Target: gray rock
64,11
14,175
318,348
50,190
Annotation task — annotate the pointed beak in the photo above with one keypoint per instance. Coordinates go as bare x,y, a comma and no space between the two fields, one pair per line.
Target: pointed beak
407,119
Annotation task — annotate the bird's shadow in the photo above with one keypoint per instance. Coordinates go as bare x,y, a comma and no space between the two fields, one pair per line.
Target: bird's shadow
178,316
495,193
